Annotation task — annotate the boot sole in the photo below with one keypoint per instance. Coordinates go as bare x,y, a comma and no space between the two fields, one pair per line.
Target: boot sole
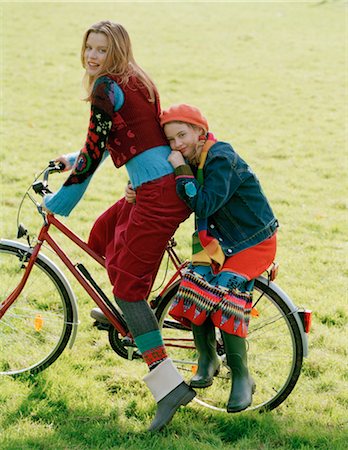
207,383
201,385
239,409
243,407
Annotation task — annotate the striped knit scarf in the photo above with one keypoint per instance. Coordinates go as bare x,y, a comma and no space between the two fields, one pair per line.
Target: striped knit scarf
206,250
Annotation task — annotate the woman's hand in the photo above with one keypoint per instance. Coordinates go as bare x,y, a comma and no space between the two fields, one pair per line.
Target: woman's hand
130,193
43,207
176,159
65,161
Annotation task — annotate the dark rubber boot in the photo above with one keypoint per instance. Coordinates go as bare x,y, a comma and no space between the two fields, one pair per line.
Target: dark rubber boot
208,360
243,386
169,390
166,408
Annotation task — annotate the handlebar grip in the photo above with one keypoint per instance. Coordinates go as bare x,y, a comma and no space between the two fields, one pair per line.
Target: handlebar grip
58,166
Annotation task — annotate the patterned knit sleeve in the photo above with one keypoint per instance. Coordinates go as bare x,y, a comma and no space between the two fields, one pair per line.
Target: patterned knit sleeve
103,101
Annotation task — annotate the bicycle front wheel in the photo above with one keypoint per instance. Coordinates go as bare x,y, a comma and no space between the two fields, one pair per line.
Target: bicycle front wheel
274,343
37,327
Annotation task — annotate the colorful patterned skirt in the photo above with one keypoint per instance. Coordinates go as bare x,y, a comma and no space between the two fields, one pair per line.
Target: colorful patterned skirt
226,297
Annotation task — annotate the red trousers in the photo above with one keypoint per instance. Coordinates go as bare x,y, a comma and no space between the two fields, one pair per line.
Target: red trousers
133,237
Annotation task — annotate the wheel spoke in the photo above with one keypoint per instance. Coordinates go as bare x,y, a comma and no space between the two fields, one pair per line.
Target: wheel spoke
37,327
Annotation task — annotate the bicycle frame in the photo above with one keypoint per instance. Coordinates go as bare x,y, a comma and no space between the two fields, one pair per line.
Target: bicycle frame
45,236
22,260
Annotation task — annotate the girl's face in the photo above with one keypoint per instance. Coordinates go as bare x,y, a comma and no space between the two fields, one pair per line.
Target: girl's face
95,52
183,138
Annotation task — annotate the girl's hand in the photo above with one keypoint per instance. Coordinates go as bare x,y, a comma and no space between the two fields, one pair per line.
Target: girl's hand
130,193
176,159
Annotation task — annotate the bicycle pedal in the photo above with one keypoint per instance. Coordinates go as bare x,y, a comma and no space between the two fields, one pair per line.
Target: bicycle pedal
130,351
101,326
128,342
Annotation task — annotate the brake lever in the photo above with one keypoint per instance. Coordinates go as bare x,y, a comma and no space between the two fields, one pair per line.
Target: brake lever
40,188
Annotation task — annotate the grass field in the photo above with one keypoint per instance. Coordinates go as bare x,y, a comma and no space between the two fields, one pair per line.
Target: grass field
272,79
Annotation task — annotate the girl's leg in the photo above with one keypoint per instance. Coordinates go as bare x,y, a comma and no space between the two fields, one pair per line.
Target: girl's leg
243,386
164,381
208,360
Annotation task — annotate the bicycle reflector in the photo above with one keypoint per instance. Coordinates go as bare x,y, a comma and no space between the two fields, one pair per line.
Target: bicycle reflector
38,322
306,319
254,312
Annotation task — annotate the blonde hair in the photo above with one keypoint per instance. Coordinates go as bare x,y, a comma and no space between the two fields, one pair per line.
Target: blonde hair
119,59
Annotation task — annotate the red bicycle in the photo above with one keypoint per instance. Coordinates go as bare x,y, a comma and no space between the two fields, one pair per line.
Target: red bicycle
39,316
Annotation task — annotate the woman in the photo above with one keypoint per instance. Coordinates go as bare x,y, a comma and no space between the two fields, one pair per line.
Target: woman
235,242
124,123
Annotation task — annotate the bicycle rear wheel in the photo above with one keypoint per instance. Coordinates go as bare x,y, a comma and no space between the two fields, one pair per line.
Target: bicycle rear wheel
275,351
37,327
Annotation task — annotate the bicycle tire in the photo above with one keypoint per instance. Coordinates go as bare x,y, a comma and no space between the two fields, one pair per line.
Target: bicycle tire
275,350
37,327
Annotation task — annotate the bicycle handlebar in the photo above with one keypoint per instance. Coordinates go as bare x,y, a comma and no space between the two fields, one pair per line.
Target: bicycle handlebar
41,186
53,166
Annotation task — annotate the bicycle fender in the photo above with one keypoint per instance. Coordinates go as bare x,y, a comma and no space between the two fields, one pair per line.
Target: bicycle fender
60,275
167,290
293,308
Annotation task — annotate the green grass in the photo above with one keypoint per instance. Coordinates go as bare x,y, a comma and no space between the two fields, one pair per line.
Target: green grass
271,78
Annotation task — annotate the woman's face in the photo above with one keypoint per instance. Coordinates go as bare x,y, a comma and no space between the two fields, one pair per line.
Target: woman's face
183,138
95,52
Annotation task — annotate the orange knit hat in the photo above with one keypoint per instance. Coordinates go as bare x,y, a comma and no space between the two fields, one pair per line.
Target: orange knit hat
184,113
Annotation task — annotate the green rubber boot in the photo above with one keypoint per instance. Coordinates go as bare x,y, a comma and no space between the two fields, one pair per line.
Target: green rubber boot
243,386
170,392
208,360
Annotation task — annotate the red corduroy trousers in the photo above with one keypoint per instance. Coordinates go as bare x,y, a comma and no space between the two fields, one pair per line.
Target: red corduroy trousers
133,237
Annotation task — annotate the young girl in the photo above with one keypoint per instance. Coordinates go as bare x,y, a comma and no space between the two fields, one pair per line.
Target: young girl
124,123
235,241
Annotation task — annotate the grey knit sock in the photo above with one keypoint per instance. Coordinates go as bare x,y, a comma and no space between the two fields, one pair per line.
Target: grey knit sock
139,316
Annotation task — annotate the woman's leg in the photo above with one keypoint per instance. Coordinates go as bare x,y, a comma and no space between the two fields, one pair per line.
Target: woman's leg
143,325
138,247
103,229
132,261
164,381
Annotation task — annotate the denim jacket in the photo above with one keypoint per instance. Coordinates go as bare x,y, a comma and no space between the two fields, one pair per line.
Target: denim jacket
231,199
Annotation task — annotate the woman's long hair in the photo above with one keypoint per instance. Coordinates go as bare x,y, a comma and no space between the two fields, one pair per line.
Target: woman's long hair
119,59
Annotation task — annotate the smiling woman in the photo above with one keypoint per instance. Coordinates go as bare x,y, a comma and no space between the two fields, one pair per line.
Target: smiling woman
124,122
95,53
